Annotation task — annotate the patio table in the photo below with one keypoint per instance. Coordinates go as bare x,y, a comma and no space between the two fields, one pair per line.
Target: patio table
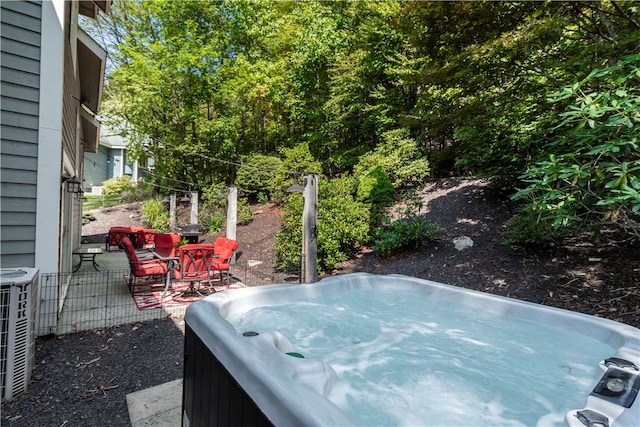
87,254
166,256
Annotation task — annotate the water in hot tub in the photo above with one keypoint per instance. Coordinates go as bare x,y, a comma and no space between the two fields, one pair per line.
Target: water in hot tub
408,359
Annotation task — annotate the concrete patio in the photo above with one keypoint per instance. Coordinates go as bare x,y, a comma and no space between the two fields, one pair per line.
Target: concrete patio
98,299
158,406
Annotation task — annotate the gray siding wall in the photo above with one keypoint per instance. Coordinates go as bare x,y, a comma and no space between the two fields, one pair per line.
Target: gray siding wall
96,167
20,93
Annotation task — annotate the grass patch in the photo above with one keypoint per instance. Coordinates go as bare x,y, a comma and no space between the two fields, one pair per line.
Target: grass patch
91,202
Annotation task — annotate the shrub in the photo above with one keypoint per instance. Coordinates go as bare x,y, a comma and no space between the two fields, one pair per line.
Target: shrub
213,223
87,217
214,208
263,198
296,160
211,200
592,179
403,233
342,224
399,157
117,185
376,188
524,230
244,213
155,215
140,191
256,174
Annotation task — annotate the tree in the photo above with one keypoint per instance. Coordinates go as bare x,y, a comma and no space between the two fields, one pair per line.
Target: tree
481,72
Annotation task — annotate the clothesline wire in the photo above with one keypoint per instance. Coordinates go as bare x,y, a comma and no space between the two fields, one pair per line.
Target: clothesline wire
228,162
190,184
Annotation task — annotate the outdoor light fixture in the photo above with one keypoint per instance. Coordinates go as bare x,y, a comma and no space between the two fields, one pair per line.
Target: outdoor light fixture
73,184
296,187
185,198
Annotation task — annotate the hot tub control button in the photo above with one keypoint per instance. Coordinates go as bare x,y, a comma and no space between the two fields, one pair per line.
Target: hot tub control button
616,385
592,418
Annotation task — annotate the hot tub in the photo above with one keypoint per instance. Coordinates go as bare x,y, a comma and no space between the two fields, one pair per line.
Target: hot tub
363,349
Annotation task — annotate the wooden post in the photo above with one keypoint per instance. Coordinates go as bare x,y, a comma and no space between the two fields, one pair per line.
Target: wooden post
172,212
194,207
232,216
310,229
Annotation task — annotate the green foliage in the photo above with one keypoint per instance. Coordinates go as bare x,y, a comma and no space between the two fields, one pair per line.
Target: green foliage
182,242
522,228
297,160
155,215
87,217
263,198
342,223
256,174
593,179
90,201
117,185
214,198
335,87
244,213
139,192
214,208
376,188
399,157
289,238
403,233
213,223
483,90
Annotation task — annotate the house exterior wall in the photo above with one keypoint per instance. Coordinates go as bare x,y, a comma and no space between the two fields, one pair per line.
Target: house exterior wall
20,82
42,133
96,167
71,210
50,187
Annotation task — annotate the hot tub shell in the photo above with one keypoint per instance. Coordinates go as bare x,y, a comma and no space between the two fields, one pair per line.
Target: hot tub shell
227,384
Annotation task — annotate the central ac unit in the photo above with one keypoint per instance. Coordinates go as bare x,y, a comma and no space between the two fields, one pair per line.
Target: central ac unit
18,289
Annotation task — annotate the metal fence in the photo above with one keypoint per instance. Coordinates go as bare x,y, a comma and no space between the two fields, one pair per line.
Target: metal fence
87,299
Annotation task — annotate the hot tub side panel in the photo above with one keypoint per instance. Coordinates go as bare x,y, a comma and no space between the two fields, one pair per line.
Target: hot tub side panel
210,395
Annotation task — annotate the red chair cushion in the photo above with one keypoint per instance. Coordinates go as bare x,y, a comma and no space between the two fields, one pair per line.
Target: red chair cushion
149,269
145,267
224,255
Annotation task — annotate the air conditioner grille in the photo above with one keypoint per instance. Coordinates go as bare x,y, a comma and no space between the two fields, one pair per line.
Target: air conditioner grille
12,274
17,332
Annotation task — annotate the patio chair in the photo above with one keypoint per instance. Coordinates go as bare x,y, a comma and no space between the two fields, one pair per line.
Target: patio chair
219,243
146,237
140,237
221,262
115,235
165,243
141,268
194,263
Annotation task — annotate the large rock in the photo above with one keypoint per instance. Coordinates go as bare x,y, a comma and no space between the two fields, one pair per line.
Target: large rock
462,242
